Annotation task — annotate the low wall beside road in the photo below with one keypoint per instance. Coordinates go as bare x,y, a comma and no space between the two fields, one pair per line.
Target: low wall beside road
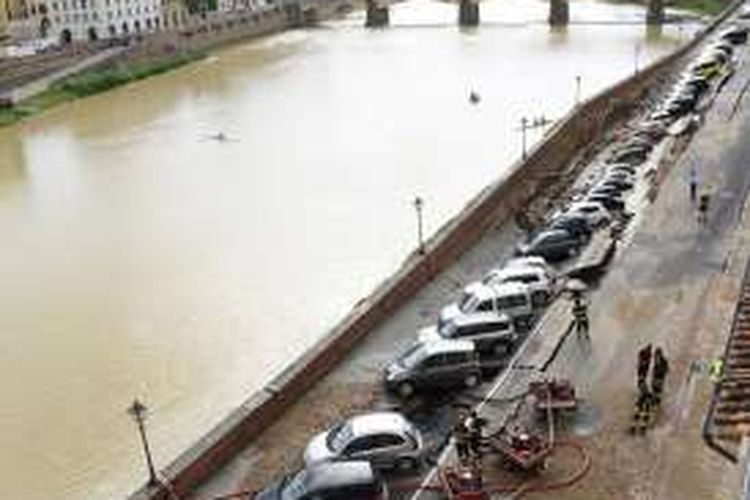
496,204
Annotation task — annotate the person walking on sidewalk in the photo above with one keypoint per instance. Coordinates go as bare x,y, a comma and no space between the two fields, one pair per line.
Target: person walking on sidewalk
644,364
661,367
703,205
581,315
693,183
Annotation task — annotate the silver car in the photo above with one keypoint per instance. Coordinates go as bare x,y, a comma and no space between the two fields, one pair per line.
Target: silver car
385,439
329,481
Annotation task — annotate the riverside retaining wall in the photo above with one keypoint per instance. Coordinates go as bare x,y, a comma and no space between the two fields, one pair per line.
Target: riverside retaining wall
494,205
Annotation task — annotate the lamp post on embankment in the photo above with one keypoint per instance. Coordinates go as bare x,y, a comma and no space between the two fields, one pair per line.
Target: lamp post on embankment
527,124
578,90
637,54
418,205
139,411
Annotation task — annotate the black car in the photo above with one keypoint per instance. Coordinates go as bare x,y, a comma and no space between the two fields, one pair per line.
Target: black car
615,181
552,244
630,154
699,83
661,115
576,225
636,141
686,91
735,35
329,481
610,202
684,102
621,167
605,190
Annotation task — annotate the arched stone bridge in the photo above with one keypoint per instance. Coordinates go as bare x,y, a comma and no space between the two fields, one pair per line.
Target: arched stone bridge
302,12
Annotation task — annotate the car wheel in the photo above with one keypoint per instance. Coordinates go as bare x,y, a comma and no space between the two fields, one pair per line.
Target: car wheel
502,348
540,298
405,389
471,380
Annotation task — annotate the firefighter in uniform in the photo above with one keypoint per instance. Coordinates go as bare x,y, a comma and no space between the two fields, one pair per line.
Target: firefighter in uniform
580,314
462,437
644,403
716,370
643,407
475,424
661,367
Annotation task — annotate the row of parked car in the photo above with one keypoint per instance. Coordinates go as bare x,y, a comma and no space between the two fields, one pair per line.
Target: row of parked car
344,461
696,80
490,315
486,320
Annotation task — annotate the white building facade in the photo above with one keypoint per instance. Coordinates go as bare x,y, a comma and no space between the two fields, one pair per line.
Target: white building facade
85,20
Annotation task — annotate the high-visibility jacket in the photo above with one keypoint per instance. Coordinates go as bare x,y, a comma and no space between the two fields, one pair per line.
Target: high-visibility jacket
716,370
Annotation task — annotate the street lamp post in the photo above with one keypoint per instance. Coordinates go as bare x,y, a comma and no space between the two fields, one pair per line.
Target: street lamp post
138,411
637,53
524,126
578,90
418,205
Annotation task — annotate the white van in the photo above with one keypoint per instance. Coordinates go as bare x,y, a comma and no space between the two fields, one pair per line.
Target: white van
539,283
513,299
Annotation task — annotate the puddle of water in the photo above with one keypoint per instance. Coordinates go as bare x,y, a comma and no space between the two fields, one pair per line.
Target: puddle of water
587,420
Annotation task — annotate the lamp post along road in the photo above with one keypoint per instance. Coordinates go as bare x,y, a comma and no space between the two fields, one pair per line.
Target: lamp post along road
418,204
637,54
527,124
138,411
578,90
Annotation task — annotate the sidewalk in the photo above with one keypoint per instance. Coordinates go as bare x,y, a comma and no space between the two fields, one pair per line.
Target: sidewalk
675,286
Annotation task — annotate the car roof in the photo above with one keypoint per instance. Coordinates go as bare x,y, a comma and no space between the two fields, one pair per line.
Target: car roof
484,291
569,216
514,271
339,474
512,287
529,260
584,204
479,289
379,422
478,318
442,346
547,232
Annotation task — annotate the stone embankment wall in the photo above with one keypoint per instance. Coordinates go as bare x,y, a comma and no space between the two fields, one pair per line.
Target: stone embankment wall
494,205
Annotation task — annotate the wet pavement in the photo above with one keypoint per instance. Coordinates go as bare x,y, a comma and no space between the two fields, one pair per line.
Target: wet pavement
675,286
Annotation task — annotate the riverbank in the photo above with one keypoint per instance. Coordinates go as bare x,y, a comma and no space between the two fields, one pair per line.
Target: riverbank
703,7
94,81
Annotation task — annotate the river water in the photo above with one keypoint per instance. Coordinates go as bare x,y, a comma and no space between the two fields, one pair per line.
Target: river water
141,257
